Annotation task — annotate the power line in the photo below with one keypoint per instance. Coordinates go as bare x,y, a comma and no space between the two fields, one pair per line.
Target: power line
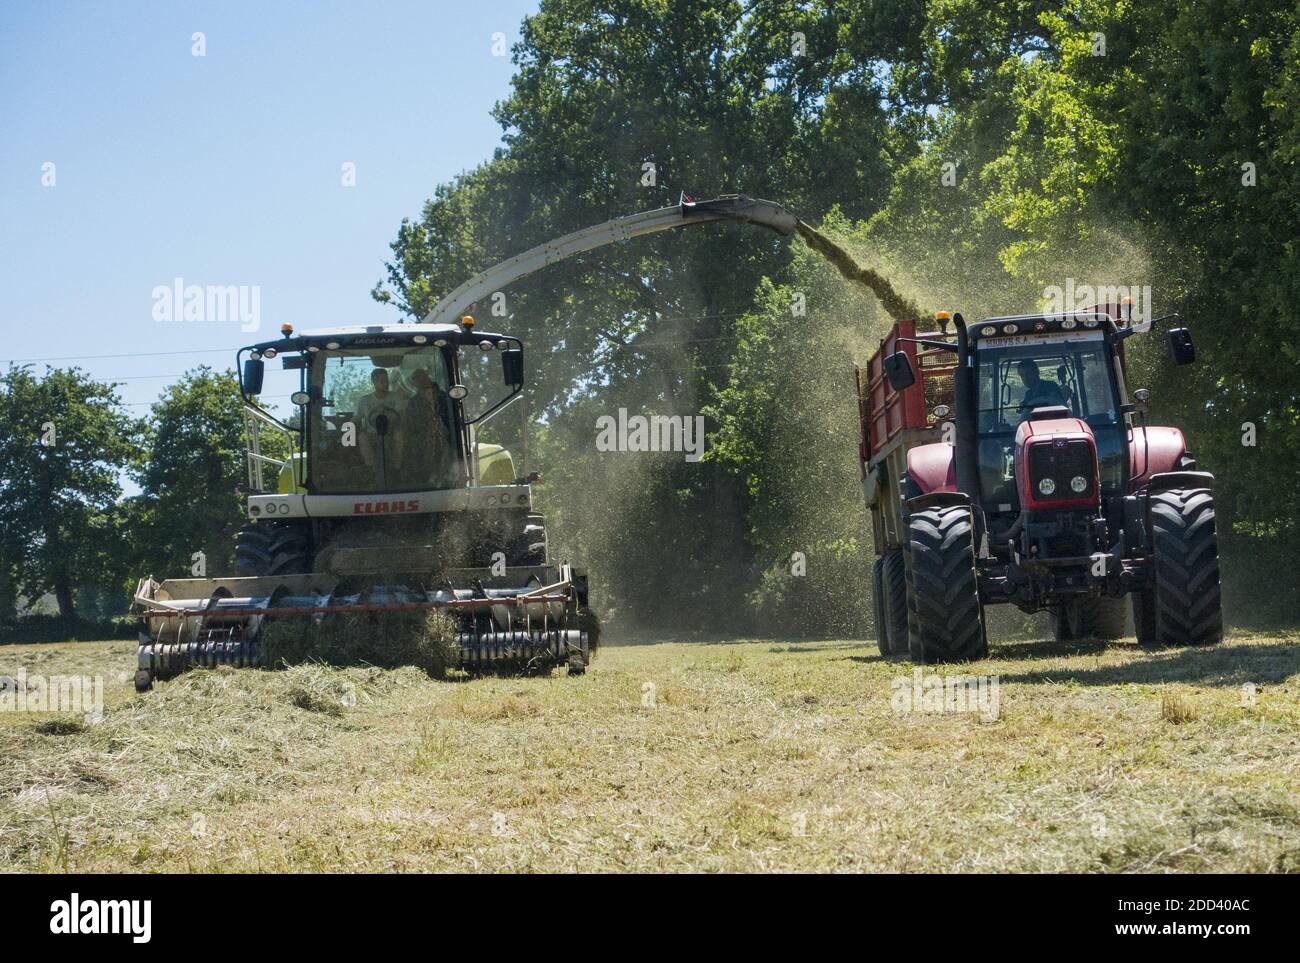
98,357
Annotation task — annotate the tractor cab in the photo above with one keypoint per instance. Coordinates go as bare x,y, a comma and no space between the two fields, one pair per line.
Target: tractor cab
1029,370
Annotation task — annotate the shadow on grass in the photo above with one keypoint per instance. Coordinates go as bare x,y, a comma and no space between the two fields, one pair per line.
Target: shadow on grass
1213,666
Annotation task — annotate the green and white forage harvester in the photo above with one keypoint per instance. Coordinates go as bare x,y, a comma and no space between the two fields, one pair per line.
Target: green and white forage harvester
1005,462
379,493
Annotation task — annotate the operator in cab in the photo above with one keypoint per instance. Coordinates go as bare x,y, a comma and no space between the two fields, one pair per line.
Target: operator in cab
381,414
431,459
1038,393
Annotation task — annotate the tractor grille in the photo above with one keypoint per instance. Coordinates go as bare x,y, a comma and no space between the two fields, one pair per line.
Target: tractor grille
1061,461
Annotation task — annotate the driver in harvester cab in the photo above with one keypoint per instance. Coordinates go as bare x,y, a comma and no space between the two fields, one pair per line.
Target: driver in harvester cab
380,414
431,453
1038,393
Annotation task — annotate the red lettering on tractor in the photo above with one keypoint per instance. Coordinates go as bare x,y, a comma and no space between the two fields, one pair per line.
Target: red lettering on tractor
371,508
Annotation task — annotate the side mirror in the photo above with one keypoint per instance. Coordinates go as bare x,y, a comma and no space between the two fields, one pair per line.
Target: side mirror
898,369
254,372
512,367
1181,349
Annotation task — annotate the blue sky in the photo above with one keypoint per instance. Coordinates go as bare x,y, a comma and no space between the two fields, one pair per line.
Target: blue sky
224,169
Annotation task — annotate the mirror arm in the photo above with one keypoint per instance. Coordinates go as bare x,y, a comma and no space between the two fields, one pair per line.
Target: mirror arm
924,342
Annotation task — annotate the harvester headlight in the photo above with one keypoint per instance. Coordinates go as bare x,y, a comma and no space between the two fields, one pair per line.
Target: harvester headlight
440,343
1069,324
988,330
1091,321
255,355
1009,329
313,349
419,339
485,345
270,353
300,398
503,345
332,345
1047,486
1079,484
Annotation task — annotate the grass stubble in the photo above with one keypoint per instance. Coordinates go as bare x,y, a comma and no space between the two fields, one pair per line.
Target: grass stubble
667,756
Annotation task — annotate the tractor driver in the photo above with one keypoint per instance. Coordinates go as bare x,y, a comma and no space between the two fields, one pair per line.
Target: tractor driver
1038,393
380,414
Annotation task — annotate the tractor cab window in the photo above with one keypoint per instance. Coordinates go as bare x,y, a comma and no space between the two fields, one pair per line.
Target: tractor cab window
1017,375
384,422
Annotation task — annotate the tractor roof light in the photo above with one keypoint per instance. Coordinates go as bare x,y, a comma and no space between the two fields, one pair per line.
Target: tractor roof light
988,330
331,345
269,353
419,339
255,355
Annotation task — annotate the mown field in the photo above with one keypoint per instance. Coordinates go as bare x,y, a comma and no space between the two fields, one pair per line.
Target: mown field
668,756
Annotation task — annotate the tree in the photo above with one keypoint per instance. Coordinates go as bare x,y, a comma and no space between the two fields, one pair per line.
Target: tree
64,442
189,500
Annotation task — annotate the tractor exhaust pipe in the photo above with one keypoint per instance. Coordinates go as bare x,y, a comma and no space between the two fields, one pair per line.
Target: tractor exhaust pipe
967,459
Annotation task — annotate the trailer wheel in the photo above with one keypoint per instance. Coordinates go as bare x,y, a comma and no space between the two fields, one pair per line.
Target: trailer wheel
1185,561
947,620
893,576
878,603
1100,618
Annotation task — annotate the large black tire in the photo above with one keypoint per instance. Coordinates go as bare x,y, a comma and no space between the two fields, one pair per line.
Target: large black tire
1100,618
878,604
272,548
946,618
893,577
1186,601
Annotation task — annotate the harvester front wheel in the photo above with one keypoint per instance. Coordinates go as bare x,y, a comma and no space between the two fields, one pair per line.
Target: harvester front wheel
272,548
1185,562
947,619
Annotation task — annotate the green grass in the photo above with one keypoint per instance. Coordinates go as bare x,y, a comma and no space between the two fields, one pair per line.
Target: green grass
743,756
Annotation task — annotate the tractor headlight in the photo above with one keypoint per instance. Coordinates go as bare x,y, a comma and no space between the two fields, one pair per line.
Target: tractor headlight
419,339
1079,484
1069,324
1009,329
1047,486
988,330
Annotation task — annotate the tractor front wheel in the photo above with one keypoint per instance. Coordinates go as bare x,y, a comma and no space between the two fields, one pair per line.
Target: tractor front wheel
947,619
1183,605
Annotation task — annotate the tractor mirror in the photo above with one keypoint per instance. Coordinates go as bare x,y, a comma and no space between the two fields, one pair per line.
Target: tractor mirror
1181,349
254,371
898,369
512,366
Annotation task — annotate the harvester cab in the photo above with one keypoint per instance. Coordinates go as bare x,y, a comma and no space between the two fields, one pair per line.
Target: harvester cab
379,493
1045,489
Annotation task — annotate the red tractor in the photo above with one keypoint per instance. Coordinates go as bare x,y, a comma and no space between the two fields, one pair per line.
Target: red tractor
1004,462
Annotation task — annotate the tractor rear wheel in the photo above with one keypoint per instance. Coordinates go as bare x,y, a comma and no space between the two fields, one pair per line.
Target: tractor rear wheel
1100,618
1185,563
946,617
272,548
893,578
